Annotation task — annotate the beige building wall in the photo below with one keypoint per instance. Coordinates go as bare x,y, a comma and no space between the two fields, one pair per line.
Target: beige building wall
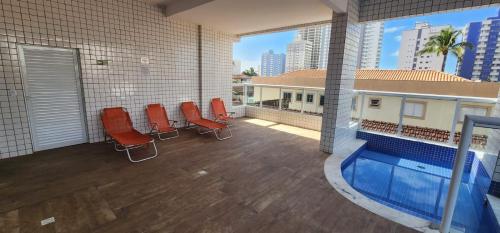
438,113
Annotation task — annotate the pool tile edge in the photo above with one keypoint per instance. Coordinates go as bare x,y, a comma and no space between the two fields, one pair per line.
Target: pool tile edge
333,173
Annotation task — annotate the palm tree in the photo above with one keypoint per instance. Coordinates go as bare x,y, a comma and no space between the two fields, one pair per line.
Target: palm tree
250,72
444,43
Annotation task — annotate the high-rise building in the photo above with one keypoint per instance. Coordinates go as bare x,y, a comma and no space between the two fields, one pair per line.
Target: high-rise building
370,41
272,64
482,62
412,41
319,36
236,67
298,55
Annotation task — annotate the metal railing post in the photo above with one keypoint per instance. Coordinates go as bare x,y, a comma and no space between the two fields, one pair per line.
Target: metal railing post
361,110
456,177
260,98
401,114
303,100
280,100
245,94
458,166
454,121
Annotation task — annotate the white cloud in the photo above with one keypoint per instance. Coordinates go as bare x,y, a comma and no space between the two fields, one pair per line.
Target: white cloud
397,38
393,29
395,53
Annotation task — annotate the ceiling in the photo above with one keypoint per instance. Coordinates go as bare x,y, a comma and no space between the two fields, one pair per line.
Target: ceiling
241,17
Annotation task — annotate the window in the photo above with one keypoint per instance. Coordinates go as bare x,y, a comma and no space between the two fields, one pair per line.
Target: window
472,110
250,91
321,100
298,97
354,103
287,96
237,95
310,98
415,109
375,102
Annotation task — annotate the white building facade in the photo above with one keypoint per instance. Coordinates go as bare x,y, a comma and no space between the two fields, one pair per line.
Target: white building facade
298,55
236,67
319,36
412,41
370,41
371,35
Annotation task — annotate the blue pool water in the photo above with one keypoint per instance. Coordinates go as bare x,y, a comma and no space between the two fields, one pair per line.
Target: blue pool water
417,184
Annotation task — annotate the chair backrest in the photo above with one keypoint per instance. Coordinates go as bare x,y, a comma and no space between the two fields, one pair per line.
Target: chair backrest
190,111
157,115
116,120
218,107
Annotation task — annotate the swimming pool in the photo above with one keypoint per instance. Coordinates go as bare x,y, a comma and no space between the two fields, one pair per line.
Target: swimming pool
414,177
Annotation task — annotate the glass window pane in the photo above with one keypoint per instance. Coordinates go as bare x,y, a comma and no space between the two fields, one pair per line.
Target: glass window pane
253,96
289,100
237,95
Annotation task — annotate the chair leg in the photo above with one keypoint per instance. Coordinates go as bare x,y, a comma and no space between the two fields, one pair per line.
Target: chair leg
218,136
140,160
166,138
203,132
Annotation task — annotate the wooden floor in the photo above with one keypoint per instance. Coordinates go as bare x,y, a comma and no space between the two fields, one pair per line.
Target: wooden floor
261,180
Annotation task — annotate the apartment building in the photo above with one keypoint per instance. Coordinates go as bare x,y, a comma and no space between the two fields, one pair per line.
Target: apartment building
371,35
236,67
412,41
368,54
482,62
298,55
272,64
319,36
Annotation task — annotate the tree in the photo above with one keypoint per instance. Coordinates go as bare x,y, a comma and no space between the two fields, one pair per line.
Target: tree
445,43
250,72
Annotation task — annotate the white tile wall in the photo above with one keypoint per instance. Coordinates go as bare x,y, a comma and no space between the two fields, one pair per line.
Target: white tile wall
121,31
217,60
335,132
239,111
372,10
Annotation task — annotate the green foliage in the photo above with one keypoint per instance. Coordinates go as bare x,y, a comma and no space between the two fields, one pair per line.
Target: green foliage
250,72
445,43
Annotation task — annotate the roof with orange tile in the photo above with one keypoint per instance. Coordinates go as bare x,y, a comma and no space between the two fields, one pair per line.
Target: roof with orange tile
375,74
409,75
406,81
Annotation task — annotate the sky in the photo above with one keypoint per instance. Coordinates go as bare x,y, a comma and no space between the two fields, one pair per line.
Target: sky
249,49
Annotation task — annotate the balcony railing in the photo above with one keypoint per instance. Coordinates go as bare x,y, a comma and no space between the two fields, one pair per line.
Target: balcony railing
306,100
427,117
435,118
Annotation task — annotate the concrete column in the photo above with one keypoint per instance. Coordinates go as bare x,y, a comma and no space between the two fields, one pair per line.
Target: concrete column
342,61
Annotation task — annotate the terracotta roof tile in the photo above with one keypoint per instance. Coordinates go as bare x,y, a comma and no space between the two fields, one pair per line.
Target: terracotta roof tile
408,81
409,75
375,74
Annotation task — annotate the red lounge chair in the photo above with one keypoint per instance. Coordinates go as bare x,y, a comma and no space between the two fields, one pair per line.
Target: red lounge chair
159,122
118,126
193,116
219,110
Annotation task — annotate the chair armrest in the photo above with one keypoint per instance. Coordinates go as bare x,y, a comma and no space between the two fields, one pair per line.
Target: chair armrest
173,123
153,126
